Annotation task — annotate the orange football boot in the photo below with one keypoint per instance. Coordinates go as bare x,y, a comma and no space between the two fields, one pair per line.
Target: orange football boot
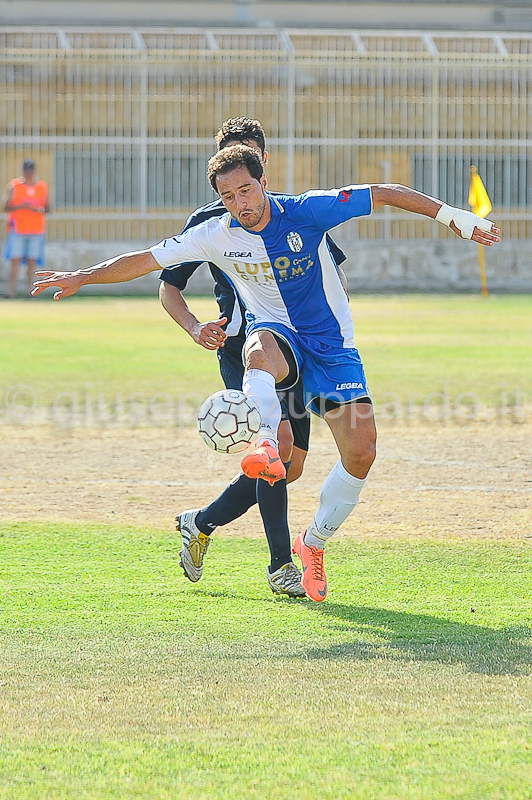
264,462
314,580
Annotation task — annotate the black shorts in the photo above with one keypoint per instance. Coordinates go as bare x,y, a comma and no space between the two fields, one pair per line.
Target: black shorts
230,362
293,407
292,401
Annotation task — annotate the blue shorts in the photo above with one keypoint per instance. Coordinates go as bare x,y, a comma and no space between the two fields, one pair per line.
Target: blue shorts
292,401
26,246
331,376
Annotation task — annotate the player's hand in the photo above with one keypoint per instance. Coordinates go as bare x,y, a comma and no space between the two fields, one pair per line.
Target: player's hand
68,283
488,238
210,335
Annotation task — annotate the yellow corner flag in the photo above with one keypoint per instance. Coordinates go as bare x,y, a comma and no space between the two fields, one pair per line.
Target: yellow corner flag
478,196
481,206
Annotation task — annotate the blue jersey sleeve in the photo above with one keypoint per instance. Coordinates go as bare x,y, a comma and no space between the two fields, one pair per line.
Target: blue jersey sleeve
331,208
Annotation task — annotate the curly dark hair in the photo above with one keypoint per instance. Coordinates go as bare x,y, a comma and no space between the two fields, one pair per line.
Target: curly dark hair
240,129
231,158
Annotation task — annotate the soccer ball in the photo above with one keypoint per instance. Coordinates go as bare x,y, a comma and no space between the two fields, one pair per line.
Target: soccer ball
228,421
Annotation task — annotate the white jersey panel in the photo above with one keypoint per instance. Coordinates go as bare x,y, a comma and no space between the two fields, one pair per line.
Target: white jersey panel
233,326
240,254
336,297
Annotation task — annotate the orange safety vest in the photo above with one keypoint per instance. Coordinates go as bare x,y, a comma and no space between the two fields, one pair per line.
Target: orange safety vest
25,220
10,222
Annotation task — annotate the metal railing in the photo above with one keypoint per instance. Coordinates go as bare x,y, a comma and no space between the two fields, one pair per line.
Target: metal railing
121,122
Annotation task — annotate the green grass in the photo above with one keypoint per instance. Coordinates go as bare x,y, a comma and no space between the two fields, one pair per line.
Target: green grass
119,679
414,344
115,345
411,345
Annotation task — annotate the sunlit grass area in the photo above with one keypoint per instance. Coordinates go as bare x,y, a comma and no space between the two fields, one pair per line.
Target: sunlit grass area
412,346
122,680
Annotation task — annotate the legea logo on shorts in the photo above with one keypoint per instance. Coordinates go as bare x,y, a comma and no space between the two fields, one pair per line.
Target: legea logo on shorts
295,242
340,386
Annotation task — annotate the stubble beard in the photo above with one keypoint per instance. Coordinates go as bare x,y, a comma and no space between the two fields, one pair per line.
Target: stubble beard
256,218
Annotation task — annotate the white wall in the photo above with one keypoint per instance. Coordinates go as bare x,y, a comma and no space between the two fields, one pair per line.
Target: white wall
374,267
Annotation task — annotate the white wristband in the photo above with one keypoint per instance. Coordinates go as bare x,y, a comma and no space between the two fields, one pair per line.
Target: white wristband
465,221
445,215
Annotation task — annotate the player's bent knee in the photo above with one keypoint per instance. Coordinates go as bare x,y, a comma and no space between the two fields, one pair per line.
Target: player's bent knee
257,359
359,461
262,352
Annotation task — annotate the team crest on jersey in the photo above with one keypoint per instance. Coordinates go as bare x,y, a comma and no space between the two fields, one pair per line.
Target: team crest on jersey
295,242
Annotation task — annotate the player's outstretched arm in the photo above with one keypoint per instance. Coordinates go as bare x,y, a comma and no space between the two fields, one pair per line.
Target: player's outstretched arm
115,270
209,335
464,223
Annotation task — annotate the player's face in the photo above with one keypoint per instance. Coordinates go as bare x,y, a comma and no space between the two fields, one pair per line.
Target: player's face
245,198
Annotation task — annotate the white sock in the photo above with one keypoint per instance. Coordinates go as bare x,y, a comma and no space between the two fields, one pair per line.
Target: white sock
260,386
267,440
338,497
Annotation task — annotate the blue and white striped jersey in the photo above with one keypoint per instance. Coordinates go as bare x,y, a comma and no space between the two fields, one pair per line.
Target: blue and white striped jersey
284,274
229,302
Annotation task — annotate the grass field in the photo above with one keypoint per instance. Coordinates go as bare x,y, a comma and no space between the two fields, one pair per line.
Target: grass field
119,679
411,346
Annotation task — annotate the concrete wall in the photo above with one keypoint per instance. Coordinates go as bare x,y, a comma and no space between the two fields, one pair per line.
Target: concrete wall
372,267
486,15
437,266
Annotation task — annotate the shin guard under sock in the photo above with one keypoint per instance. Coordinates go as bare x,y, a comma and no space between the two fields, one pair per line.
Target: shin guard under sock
234,501
273,505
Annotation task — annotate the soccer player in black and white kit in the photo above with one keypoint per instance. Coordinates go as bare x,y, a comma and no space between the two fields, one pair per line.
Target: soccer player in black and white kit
227,336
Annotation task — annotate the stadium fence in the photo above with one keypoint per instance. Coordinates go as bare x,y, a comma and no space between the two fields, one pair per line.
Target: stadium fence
121,122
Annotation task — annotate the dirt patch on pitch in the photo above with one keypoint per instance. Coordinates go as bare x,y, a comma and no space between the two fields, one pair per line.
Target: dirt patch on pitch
435,480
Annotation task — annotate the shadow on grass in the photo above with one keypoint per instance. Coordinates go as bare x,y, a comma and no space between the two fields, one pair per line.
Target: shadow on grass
218,595
376,633
420,637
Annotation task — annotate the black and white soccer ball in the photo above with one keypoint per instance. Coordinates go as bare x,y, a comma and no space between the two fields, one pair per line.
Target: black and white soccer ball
228,421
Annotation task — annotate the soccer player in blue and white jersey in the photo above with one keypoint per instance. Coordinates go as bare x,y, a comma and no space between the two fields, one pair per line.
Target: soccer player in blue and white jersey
274,252
227,336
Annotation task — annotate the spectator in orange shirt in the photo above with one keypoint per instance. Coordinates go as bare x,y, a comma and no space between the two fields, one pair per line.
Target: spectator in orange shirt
27,204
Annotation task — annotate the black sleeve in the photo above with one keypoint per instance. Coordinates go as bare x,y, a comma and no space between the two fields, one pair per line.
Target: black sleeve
338,255
180,276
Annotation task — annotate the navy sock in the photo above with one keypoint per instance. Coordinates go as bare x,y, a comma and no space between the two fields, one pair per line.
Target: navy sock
234,501
273,504
241,494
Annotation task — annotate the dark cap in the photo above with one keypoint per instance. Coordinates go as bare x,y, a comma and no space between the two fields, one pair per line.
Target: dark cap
29,164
